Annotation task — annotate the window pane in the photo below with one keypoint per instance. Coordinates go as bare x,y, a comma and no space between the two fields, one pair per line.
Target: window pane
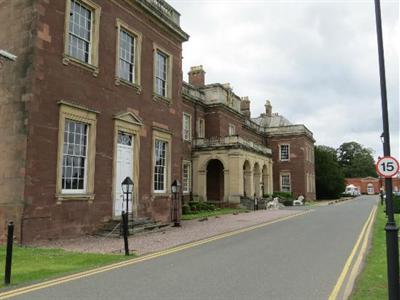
161,73
80,26
127,56
74,159
160,165
284,152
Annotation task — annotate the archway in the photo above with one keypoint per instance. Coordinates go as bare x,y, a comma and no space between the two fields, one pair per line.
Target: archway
257,179
247,182
215,180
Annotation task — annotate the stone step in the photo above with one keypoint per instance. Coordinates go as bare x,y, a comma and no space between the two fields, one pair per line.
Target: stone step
136,226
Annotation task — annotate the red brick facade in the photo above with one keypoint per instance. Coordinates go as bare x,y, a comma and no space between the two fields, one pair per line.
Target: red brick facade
44,79
371,185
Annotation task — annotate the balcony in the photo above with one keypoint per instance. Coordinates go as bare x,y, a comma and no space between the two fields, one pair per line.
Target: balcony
233,141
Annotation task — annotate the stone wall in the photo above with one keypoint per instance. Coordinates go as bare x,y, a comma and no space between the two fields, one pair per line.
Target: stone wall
17,32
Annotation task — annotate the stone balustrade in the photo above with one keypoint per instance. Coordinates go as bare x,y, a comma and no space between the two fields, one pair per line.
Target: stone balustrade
230,141
165,9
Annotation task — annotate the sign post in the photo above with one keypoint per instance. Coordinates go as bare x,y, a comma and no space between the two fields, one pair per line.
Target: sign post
392,231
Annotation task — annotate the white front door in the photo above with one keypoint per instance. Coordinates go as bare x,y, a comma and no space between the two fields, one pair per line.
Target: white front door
124,168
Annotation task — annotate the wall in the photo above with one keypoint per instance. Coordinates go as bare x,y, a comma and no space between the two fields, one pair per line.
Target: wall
297,166
378,183
15,97
55,81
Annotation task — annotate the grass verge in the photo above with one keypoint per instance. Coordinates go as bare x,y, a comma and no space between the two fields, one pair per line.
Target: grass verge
33,264
372,282
222,211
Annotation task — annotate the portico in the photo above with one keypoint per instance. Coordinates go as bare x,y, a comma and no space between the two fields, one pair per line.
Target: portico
228,168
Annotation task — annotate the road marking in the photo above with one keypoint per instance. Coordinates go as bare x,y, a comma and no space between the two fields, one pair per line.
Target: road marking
356,267
347,265
49,283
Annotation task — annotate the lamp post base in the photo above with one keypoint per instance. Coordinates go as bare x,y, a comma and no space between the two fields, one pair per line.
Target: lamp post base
393,259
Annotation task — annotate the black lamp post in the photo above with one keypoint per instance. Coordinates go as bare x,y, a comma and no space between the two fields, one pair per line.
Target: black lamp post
175,189
392,243
127,188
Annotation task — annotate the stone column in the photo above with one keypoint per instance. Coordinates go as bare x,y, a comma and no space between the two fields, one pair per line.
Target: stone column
271,178
235,178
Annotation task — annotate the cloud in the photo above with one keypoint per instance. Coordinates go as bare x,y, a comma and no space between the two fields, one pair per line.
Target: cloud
316,61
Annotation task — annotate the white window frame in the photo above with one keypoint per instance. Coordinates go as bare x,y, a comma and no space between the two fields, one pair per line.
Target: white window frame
280,152
93,57
164,79
187,127
85,177
73,112
231,129
165,166
186,182
201,123
137,50
167,95
282,175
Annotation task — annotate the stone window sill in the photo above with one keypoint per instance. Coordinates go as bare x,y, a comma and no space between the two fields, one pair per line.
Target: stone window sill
71,60
137,87
166,100
74,197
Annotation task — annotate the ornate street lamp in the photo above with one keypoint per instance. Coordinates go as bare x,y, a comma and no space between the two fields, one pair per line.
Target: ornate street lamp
175,189
127,188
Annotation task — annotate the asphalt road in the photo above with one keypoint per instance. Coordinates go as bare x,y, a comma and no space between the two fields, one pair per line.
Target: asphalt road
298,258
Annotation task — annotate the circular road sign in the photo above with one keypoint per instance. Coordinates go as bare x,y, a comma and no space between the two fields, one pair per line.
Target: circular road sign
387,166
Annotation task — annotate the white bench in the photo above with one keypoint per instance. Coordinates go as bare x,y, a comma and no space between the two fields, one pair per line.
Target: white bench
299,201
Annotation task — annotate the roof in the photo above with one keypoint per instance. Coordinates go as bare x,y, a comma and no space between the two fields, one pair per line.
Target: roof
275,120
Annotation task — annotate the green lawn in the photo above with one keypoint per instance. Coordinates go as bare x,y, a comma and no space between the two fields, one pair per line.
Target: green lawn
222,211
372,282
32,264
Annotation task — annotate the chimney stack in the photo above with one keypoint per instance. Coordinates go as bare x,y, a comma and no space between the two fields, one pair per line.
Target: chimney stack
197,76
268,108
245,107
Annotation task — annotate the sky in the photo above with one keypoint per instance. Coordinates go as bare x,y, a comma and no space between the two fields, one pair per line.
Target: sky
316,61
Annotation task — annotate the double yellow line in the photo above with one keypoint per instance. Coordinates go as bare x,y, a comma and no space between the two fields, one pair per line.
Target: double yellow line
49,283
362,238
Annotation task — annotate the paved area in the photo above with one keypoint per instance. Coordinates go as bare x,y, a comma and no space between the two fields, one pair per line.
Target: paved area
190,231
298,258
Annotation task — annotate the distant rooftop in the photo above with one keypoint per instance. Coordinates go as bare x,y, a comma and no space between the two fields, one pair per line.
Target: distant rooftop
275,120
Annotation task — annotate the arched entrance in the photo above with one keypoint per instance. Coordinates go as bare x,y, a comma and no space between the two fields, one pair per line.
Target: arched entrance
247,180
215,180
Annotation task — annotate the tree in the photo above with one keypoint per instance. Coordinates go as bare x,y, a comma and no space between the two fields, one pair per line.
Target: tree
329,178
355,160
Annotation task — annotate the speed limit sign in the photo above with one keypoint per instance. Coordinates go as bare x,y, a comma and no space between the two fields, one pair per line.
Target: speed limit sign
387,166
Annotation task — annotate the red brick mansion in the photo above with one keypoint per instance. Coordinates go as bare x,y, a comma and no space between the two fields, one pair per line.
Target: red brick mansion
96,94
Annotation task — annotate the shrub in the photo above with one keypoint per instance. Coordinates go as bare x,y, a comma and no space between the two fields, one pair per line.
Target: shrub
287,202
186,209
201,206
283,195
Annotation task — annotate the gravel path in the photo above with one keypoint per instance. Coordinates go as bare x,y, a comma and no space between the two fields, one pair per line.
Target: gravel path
190,231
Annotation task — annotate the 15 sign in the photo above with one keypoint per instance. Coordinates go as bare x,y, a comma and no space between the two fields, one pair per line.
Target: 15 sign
387,166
